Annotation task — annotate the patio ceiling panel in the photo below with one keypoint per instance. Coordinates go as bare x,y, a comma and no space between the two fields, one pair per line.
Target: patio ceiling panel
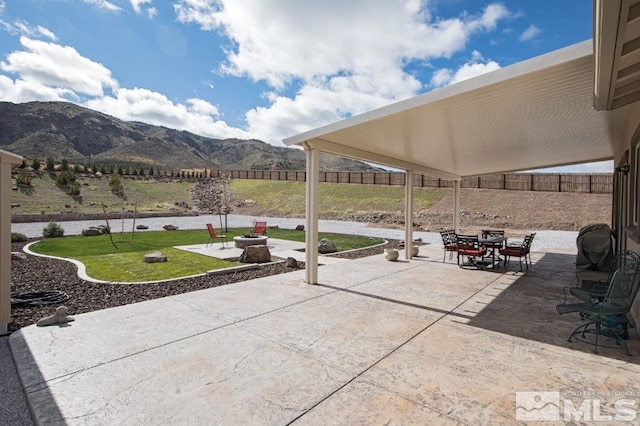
537,113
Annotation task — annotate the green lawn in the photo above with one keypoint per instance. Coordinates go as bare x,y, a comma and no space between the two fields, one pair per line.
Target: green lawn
123,262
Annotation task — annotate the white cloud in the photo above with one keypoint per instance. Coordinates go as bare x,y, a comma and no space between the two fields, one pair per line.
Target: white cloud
104,4
473,68
52,65
20,91
154,108
347,57
308,39
530,33
20,27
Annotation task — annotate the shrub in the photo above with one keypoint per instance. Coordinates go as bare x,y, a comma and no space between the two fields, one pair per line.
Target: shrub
64,165
35,164
66,178
17,237
74,189
53,230
51,164
23,177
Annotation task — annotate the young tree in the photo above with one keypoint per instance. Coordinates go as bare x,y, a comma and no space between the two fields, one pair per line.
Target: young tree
64,165
35,164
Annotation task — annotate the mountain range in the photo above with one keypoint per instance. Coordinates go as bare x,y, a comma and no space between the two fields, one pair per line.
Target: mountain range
62,130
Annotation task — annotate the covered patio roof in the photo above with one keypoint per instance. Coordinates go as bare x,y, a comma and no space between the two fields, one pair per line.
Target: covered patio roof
533,114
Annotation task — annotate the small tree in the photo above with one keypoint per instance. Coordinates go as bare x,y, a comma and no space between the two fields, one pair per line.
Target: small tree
151,171
115,185
120,172
35,164
76,168
64,165
23,165
51,164
94,169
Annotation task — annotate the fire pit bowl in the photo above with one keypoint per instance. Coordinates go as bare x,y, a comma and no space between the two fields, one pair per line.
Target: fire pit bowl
250,240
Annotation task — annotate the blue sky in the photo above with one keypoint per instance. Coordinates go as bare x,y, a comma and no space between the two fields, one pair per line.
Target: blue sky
266,69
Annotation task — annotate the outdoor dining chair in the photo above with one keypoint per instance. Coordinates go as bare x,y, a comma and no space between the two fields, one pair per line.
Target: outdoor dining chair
469,246
520,250
449,243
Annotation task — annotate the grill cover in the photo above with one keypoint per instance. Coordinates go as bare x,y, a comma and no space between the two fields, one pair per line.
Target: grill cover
595,248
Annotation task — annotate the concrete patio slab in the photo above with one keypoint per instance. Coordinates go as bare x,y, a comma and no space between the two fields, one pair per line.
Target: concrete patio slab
277,247
420,341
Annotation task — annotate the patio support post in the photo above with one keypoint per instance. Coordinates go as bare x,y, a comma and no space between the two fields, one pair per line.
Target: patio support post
408,214
456,206
311,240
8,162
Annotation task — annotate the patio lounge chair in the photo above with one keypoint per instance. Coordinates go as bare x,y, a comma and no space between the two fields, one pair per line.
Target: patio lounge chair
213,236
592,290
519,250
608,316
260,228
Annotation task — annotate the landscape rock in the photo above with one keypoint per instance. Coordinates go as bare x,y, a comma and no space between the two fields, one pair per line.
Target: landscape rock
91,232
17,237
18,255
326,246
291,262
299,227
170,228
255,254
142,227
155,257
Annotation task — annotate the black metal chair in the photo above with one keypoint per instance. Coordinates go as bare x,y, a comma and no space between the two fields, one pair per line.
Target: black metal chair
449,243
596,291
519,250
469,246
607,315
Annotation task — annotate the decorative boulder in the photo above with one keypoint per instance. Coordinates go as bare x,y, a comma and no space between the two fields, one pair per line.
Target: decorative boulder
142,227
170,228
18,255
91,232
291,262
17,237
300,228
155,257
326,246
255,254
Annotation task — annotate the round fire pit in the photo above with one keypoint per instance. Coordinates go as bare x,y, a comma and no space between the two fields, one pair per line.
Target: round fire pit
244,241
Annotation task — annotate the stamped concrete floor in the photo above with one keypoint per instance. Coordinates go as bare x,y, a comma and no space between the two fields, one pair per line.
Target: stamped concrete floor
375,342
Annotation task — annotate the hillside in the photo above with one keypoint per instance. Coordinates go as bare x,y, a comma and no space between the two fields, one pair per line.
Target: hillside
381,205
83,136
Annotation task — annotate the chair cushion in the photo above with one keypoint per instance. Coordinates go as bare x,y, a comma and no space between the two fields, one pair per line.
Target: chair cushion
472,251
513,251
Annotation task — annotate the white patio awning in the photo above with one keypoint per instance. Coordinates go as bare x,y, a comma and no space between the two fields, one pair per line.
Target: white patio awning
533,114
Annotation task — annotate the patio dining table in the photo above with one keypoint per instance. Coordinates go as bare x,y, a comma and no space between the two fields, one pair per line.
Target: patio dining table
492,244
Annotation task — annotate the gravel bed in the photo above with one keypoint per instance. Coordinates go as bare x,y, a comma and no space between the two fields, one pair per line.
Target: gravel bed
39,274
